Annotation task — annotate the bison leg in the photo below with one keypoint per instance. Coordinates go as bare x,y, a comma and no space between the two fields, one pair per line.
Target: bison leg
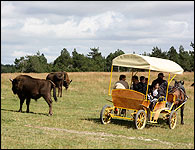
21,103
182,109
49,102
60,88
27,104
58,91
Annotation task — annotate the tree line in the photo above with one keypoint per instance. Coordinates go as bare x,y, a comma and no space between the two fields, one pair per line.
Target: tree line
93,61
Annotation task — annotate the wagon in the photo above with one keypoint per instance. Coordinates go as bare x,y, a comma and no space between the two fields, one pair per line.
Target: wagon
136,104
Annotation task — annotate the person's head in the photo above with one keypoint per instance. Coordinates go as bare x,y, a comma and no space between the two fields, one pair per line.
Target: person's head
156,86
142,79
122,77
146,80
160,75
135,78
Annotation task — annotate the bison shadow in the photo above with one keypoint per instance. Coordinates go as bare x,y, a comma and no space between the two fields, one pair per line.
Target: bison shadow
46,114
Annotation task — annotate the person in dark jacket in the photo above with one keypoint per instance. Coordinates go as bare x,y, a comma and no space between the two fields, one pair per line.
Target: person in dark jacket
142,86
135,81
159,80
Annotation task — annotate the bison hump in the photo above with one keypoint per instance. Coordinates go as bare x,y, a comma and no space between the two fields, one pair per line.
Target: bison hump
59,76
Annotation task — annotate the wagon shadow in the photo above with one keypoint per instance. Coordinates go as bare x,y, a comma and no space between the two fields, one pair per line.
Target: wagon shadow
119,122
46,114
130,124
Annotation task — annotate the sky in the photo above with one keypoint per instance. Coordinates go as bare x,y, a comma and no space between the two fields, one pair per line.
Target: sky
132,26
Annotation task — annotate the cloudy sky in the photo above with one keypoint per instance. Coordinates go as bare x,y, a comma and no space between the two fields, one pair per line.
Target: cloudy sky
132,26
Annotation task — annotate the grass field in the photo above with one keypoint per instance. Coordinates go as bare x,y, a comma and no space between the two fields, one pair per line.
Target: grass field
76,119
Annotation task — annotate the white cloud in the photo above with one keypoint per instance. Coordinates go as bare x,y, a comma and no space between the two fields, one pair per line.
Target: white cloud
87,27
7,9
19,54
50,26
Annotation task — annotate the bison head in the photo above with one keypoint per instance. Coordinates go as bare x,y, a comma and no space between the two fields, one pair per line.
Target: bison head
14,85
66,84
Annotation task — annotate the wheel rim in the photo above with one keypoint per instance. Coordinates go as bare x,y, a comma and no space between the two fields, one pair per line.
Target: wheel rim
106,117
173,120
141,120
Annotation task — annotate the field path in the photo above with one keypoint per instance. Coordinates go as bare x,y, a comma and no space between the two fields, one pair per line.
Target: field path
102,134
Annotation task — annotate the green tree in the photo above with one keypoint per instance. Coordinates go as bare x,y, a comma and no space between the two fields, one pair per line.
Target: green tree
63,62
173,55
156,52
191,53
97,62
192,44
184,59
35,63
80,62
8,68
21,64
110,57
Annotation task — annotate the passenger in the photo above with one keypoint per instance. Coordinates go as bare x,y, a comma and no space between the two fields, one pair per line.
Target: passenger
146,80
153,97
149,86
159,80
142,86
163,88
135,81
121,84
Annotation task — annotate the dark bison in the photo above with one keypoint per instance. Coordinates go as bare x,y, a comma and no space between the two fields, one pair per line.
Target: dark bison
27,87
59,78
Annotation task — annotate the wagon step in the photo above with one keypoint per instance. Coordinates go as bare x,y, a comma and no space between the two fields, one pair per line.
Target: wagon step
152,122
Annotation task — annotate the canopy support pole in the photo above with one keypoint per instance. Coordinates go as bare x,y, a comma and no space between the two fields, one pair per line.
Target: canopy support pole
110,80
131,79
169,84
148,84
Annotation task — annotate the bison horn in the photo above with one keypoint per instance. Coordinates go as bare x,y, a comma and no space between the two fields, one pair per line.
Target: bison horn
11,80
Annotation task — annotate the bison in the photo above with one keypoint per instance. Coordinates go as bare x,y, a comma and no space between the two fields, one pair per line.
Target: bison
59,79
27,87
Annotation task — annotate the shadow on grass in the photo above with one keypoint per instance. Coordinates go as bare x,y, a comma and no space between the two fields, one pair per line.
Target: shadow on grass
25,112
131,124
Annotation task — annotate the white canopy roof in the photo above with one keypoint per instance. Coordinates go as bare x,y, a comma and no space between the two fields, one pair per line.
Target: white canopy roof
146,62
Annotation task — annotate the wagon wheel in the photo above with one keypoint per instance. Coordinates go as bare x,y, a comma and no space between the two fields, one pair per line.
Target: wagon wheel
140,119
105,114
172,119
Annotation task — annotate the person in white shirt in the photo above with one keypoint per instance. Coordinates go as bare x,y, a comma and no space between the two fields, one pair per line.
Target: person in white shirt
121,84
153,97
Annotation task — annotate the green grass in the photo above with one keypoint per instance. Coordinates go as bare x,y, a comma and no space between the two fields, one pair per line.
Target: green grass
75,122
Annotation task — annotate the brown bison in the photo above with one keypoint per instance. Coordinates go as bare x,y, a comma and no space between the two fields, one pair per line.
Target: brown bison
27,87
59,79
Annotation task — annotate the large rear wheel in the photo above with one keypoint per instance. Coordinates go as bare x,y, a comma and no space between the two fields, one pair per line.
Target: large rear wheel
105,114
172,119
140,119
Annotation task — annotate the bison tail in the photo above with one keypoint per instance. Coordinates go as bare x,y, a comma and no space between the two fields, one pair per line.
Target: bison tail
54,94
54,90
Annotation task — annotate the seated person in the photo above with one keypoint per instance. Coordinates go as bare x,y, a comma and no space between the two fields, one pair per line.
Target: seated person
163,88
153,97
159,80
142,86
135,81
121,84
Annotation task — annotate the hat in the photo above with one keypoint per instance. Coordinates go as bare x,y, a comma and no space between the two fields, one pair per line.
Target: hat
160,74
